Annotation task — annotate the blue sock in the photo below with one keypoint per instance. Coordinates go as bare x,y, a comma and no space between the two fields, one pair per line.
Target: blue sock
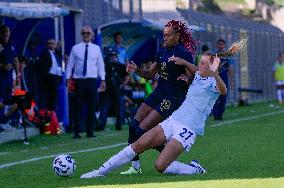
132,128
134,132
139,132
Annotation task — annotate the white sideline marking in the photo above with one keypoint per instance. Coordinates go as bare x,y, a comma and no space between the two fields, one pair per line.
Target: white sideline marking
50,156
247,118
124,143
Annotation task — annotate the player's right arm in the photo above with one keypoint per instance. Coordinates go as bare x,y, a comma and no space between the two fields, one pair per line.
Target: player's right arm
147,74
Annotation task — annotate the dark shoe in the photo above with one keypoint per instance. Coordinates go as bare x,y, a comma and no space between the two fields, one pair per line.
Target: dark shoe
76,136
218,118
91,136
99,129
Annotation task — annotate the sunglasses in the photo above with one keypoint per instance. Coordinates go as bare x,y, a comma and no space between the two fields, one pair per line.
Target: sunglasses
86,33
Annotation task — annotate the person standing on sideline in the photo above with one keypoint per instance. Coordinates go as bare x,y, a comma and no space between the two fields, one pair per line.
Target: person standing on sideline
226,73
87,61
51,69
115,61
8,63
278,71
121,51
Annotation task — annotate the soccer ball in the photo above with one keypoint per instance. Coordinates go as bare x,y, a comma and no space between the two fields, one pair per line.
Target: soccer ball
64,165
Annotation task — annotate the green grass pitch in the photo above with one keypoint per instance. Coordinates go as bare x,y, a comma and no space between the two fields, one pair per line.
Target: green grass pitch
245,150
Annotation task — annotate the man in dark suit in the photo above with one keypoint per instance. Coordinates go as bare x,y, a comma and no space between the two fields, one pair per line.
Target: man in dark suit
51,70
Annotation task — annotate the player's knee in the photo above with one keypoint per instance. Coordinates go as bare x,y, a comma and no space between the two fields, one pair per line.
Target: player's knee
138,146
159,166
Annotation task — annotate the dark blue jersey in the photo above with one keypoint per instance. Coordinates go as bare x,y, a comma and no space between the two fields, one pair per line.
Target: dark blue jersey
169,71
8,53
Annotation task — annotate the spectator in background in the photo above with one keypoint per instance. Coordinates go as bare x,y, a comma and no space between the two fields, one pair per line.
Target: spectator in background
121,51
226,73
278,71
8,63
113,97
115,61
204,50
32,67
18,83
51,68
87,61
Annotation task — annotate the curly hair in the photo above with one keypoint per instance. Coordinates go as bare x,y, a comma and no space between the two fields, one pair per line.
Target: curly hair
185,36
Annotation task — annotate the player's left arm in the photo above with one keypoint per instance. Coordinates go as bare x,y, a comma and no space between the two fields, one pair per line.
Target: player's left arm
220,85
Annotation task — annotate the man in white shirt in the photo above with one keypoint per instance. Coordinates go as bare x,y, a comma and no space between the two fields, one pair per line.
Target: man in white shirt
85,66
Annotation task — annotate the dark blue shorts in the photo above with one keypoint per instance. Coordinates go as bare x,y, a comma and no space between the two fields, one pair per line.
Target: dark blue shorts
164,103
6,93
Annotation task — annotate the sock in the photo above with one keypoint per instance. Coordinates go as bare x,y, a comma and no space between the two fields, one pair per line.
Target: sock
132,127
180,168
139,132
136,164
133,136
279,95
123,157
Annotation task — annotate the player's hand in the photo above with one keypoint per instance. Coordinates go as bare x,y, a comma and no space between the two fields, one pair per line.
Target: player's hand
177,60
68,83
102,87
183,77
131,67
214,66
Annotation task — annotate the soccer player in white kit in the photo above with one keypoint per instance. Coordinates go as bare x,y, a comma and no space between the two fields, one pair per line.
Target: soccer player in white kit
179,131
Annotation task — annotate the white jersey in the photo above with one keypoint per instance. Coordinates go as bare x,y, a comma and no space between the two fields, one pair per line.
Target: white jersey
200,99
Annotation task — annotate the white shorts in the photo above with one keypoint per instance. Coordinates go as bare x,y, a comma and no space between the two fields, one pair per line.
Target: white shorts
173,129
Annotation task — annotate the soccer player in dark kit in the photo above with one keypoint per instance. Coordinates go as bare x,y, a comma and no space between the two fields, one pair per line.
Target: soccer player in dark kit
172,84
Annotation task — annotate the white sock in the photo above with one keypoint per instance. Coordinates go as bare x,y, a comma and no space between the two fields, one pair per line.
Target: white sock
136,164
279,95
123,157
180,168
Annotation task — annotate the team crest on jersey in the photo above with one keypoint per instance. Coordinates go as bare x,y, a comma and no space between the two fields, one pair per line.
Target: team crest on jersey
163,73
165,105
